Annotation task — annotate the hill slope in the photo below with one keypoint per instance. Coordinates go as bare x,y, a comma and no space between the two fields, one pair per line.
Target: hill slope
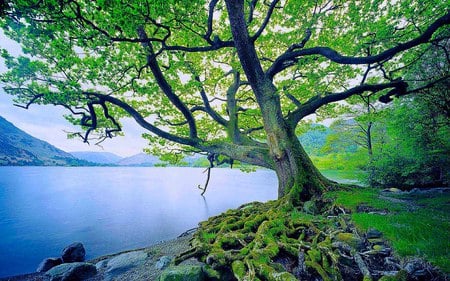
97,157
140,159
19,148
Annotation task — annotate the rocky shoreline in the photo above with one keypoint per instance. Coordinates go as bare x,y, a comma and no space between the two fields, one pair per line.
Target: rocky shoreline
139,264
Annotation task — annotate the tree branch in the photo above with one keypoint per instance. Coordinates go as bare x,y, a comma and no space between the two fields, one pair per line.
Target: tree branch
165,87
316,102
286,60
141,121
266,20
388,97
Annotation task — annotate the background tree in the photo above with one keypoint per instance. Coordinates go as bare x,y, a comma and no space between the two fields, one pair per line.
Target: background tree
231,78
417,129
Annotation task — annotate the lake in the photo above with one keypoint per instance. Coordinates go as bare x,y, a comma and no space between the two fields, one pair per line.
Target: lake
109,209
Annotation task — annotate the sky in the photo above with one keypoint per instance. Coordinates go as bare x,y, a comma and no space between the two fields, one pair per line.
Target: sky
47,122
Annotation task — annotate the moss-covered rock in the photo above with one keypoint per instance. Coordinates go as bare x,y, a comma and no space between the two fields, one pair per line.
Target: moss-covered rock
183,273
351,239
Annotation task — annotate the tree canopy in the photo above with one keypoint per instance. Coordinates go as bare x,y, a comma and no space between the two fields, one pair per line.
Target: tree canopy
232,78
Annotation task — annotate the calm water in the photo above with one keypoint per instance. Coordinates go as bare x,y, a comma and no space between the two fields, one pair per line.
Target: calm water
43,209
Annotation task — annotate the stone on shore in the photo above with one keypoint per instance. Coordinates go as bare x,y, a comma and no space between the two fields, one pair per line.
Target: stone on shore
75,252
72,271
48,263
183,273
163,262
124,262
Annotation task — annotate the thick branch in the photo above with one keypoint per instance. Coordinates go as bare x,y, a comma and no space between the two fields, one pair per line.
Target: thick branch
208,34
286,60
317,101
266,20
245,47
388,97
141,121
165,87
255,155
233,126
207,108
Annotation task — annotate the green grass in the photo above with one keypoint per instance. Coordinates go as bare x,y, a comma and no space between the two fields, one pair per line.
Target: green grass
345,176
420,226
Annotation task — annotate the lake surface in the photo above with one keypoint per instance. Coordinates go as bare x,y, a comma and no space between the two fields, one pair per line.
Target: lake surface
109,209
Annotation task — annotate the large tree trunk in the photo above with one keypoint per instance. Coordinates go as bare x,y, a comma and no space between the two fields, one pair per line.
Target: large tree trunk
297,176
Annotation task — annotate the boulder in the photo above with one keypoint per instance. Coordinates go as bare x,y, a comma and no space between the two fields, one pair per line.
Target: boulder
75,252
163,262
48,263
72,271
124,262
351,239
373,233
183,273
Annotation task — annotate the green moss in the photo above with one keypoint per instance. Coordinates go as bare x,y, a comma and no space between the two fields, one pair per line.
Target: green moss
314,255
318,269
349,238
208,236
239,269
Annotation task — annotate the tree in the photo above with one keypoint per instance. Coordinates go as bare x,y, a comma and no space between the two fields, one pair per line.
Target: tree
227,77
416,152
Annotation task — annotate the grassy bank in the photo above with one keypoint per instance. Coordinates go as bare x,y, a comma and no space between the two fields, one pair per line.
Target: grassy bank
415,224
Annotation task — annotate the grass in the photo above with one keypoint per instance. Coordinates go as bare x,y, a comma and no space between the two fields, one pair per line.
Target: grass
416,225
345,176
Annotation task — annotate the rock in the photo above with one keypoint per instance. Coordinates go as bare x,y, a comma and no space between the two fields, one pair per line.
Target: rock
163,262
73,253
183,273
376,241
373,233
124,262
351,239
310,207
412,266
392,190
72,271
101,264
48,263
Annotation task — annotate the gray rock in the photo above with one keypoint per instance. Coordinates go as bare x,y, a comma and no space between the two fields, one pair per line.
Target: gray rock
183,273
101,264
124,262
163,262
413,266
75,252
48,263
72,271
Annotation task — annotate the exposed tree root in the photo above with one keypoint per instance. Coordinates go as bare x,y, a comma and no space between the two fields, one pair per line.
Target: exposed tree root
276,241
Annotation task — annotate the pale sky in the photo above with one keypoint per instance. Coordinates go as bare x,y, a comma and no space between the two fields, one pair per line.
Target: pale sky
47,122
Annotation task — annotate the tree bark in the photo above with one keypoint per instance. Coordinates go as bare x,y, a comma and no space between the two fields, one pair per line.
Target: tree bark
297,176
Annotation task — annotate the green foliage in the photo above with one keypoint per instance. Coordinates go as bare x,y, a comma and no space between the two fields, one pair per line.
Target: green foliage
416,151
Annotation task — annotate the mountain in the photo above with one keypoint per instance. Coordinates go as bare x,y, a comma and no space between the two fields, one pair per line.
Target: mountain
19,148
97,157
140,159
